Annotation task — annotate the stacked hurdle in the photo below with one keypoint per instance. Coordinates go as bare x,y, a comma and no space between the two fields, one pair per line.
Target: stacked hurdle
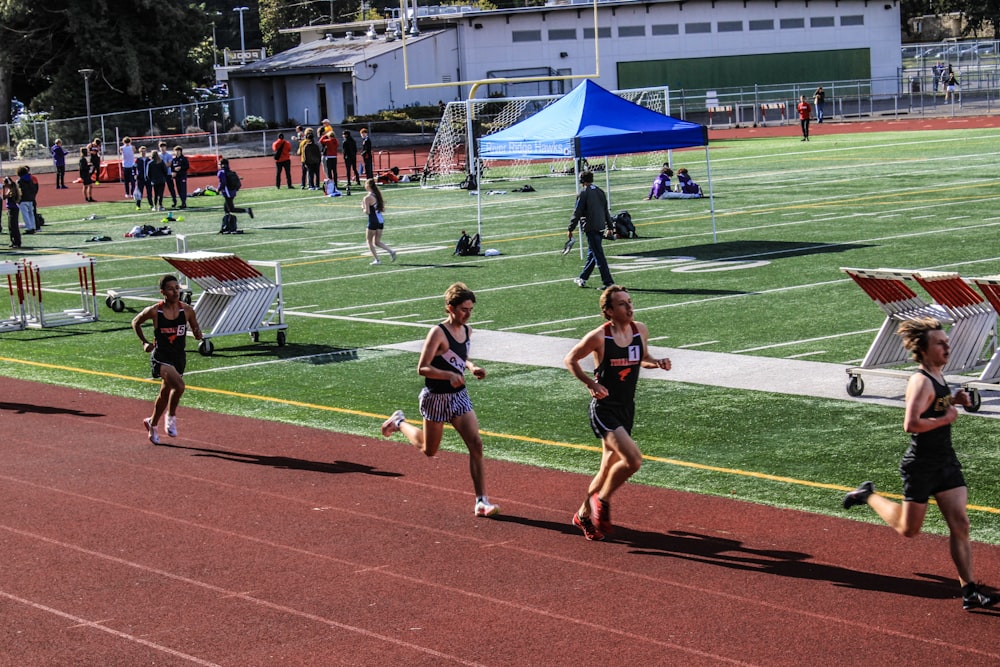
15,285
900,303
237,298
35,268
972,319
115,300
990,376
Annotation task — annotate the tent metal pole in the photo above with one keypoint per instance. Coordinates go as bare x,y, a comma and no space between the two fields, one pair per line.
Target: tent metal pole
711,193
479,200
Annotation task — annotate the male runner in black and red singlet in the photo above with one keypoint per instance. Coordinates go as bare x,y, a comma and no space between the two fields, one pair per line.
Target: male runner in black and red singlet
930,466
172,319
444,399
619,349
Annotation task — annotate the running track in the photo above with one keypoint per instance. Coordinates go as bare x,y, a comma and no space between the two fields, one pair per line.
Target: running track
248,542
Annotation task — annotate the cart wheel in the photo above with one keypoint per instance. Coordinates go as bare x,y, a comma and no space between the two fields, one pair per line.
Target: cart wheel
117,305
205,347
281,339
856,386
255,336
975,401
107,301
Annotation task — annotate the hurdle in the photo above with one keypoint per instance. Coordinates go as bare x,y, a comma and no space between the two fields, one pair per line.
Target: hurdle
990,376
772,106
728,110
900,303
237,298
15,285
115,299
974,318
34,268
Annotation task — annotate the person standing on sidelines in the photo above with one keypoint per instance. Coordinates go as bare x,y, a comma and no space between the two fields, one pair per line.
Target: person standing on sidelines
330,145
366,153
168,160
59,160
86,175
172,319
592,212
444,399
179,168
819,99
930,466
805,113
619,349
142,182
282,150
350,150
128,167
373,205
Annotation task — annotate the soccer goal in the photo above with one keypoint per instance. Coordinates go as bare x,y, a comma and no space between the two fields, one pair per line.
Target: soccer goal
450,160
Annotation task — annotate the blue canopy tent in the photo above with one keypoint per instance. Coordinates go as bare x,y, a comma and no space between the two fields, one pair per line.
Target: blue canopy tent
593,122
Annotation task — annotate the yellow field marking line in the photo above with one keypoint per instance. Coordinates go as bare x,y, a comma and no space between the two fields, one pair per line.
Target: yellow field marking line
502,436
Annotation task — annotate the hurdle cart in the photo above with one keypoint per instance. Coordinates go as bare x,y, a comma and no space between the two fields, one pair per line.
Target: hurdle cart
955,303
35,268
989,379
237,298
115,299
15,285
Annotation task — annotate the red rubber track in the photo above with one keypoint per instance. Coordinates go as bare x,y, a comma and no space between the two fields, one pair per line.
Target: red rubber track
245,542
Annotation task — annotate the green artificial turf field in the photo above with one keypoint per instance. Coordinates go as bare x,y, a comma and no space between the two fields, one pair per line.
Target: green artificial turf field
788,216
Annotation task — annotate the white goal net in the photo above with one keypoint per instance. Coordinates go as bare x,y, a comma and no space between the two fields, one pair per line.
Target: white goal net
449,160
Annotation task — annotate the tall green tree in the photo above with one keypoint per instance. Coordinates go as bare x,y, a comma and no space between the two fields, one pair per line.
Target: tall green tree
143,53
982,18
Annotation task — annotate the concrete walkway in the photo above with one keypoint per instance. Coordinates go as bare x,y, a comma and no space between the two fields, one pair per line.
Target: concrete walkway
736,371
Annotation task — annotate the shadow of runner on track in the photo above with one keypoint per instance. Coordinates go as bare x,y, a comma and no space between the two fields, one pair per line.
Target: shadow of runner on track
732,554
286,462
25,408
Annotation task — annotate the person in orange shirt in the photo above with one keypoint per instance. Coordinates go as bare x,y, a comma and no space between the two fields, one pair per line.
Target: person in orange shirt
282,150
328,142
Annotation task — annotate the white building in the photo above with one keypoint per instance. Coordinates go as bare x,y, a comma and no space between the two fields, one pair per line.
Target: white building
694,45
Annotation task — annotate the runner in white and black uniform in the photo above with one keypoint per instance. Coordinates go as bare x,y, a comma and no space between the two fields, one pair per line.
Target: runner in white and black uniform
444,399
619,349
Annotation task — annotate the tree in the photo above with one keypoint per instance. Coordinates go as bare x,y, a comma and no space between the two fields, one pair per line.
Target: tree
981,18
140,51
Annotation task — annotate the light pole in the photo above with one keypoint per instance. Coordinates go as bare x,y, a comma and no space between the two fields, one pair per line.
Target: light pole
243,43
86,92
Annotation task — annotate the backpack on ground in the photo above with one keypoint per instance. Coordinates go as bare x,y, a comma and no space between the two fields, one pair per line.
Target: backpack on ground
233,182
624,229
467,245
229,225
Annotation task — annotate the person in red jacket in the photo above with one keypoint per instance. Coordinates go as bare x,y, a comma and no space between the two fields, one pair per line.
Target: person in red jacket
282,150
328,142
805,112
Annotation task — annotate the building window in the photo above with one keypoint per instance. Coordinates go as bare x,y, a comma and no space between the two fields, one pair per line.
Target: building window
632,31
697,28
527,36
821,22
603,33
762,24
729,26
792,24
666,29
561,34
854,19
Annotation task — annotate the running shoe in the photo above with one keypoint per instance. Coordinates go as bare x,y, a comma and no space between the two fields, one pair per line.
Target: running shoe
250,212
486,508
976,599
580,282
392,255
391,425
154,437
586,525
600,510
172,426
859,496
374,262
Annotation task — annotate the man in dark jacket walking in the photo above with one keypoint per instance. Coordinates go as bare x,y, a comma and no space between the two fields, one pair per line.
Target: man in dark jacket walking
592,212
